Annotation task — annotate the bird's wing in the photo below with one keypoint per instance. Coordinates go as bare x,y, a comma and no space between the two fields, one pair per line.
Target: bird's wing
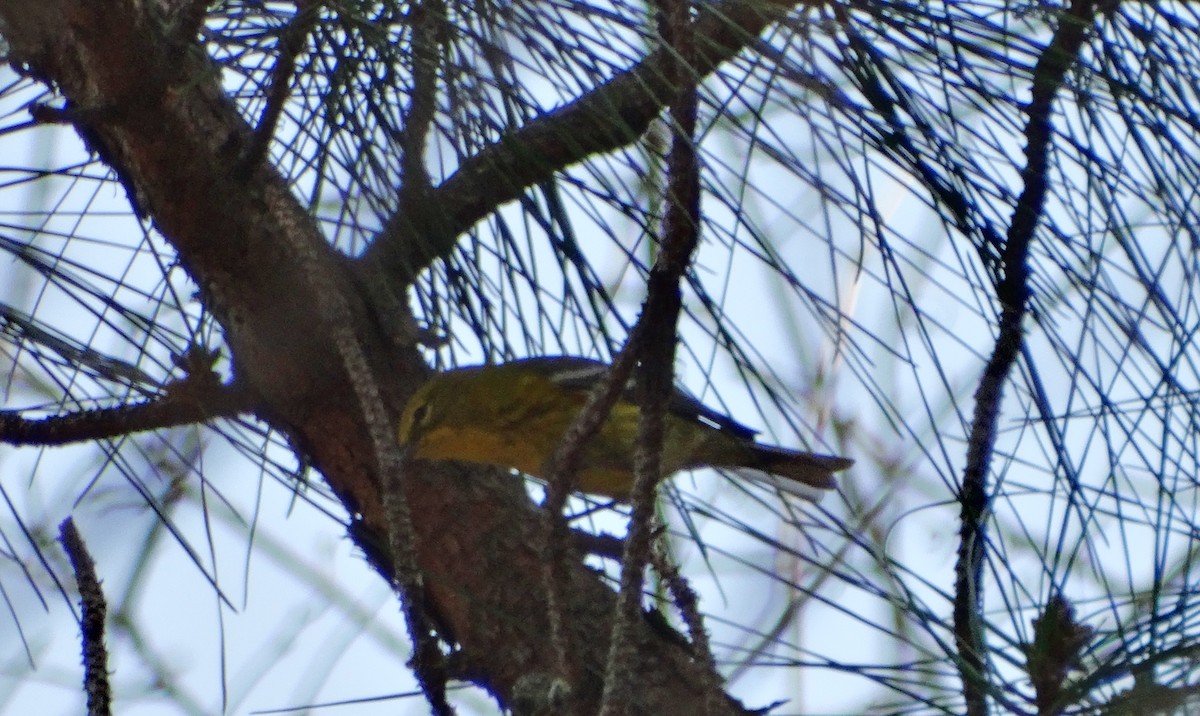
575,373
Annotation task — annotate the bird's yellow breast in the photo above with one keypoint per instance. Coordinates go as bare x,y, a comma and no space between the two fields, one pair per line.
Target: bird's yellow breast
606,467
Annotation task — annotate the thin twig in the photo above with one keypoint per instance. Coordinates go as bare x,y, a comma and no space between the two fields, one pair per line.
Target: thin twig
291,43
560,478
91,625
172,410
427,20
687,601
656,374
1012,290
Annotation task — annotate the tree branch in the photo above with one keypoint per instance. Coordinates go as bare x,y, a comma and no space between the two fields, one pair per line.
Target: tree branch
95,607
609,117
172,410
1012,290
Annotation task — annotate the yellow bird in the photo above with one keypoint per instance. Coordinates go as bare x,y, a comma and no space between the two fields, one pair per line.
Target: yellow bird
515,414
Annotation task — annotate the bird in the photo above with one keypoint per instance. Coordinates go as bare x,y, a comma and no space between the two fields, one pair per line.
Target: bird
514,415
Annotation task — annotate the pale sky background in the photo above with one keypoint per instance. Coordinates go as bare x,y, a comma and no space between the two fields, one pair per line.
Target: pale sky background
308,623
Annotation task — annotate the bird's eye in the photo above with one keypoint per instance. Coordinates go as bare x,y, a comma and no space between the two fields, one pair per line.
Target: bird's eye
414,424
421,415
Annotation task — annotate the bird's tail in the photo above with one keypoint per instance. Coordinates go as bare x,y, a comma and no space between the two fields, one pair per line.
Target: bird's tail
803,474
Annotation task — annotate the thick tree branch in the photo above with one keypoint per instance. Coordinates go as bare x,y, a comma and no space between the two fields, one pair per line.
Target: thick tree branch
609,117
